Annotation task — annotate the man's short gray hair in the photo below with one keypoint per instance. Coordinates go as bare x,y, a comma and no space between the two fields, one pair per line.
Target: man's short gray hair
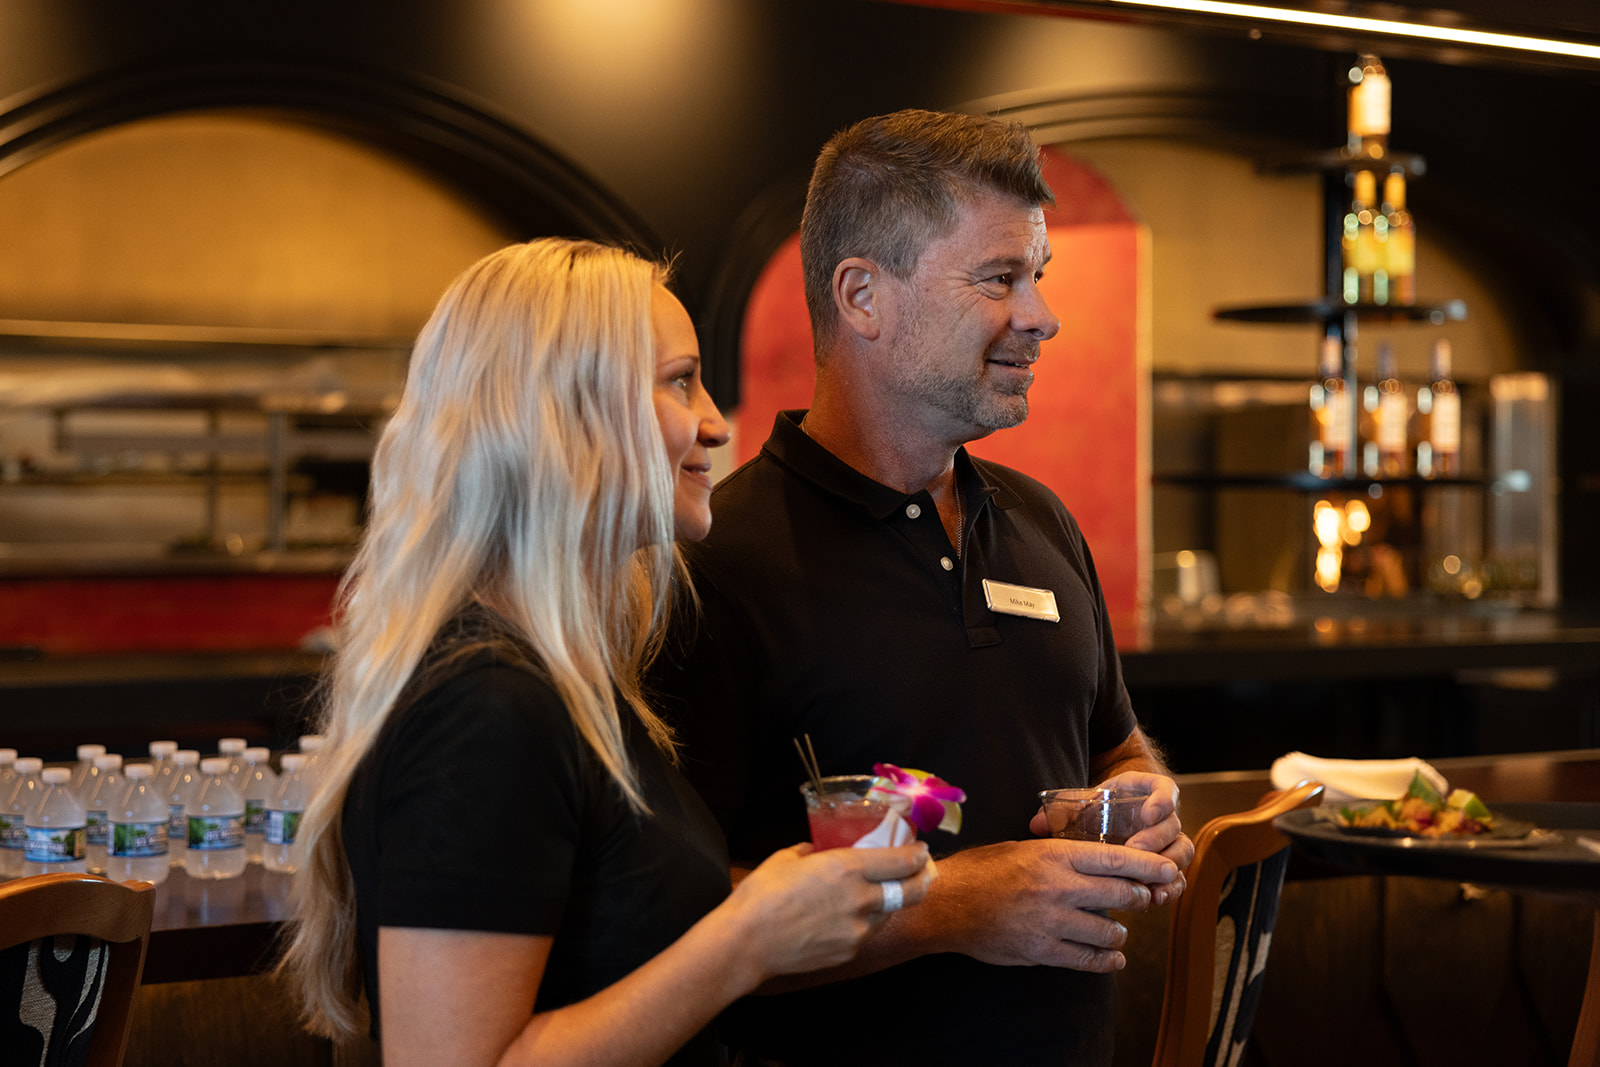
887,186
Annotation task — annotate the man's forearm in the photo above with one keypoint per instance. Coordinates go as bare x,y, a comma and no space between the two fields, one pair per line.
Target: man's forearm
1136,753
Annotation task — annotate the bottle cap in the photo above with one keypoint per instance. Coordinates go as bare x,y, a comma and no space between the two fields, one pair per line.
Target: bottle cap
214,766
57,775
109,762
310,742
230,746
186,757
163,748
139,770
293,761
7,755
258,755
89,752
29,765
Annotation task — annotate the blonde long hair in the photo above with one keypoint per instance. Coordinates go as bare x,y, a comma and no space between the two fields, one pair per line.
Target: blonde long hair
524,470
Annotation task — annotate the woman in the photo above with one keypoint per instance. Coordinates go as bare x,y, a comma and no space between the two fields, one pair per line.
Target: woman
501,855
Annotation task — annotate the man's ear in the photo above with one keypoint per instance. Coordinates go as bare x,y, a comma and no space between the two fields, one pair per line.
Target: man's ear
858,296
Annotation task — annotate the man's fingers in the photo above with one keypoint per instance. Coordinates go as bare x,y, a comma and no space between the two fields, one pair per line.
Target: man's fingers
1080,957
1121,861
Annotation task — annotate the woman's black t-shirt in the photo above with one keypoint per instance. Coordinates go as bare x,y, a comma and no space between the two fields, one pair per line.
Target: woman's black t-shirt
481,808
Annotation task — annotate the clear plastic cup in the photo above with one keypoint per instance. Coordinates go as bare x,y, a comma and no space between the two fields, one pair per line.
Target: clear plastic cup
1110,816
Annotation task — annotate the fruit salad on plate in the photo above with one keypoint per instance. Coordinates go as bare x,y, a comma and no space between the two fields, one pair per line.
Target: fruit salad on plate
1422,812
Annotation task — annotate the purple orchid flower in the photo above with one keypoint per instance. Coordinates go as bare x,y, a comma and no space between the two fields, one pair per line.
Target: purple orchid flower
928,794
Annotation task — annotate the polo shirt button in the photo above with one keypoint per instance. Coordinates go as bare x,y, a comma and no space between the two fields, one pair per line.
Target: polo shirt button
913,510
944,561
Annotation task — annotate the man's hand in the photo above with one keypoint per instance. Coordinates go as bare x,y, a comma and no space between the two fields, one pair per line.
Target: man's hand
1162,831
1029,903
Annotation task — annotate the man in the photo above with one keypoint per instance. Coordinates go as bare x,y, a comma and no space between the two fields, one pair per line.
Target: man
871,585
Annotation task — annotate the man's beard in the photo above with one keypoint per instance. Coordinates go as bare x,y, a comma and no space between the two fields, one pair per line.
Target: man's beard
983,402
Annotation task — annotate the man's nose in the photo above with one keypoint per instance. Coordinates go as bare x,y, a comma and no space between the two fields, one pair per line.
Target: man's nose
1033,316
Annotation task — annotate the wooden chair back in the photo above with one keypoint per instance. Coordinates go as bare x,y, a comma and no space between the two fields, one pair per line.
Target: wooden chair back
116,914
1239,858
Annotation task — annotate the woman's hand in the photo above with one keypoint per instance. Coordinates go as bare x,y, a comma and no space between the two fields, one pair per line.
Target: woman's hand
803,910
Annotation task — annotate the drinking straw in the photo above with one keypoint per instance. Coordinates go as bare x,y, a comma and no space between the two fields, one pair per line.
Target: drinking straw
812,770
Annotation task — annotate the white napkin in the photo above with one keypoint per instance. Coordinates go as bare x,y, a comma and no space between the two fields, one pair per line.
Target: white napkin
1355,779
892,831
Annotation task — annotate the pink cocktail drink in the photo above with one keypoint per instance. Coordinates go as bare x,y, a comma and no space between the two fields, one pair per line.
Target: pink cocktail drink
842,813
842,819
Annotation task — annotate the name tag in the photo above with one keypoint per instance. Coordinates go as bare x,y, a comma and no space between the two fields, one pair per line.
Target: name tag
1020,600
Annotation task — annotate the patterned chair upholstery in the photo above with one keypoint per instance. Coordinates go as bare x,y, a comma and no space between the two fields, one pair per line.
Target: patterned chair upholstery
1222,931
71,951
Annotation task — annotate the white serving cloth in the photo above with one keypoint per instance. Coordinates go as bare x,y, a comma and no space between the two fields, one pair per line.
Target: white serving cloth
1355,779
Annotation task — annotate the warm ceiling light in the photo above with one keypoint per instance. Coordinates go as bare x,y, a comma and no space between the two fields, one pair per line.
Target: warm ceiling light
1358,24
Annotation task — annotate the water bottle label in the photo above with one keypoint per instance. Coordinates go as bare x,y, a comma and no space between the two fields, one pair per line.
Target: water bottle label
55,844
209,833
177,823
13,831
255,816
99,828
139,839
282,827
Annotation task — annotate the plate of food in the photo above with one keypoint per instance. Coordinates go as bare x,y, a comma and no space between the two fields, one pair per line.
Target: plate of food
1425,818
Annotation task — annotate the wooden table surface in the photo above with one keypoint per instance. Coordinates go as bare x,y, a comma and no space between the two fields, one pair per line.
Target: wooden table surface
220,928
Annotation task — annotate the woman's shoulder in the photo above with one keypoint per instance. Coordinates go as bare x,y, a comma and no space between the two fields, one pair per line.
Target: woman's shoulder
482,692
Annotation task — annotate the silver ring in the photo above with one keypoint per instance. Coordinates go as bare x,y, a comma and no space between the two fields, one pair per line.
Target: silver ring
894,897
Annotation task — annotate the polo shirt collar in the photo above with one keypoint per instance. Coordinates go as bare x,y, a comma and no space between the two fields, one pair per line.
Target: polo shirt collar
792,448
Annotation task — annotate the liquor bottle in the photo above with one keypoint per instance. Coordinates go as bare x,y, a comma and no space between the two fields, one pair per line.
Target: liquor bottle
1332,413
1368,117
1439,411
1400,244
1362,243
1392,418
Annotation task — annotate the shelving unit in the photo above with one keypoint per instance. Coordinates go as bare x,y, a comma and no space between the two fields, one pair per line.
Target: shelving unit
254,430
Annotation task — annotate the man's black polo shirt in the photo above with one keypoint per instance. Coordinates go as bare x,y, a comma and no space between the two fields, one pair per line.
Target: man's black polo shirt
835,606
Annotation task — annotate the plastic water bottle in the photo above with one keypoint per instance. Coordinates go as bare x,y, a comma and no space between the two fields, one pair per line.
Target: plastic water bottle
256,783
232,750
280,851
57,834
8,771
179,788
106,794
139,831
26,790
216,824
161,753
84,770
